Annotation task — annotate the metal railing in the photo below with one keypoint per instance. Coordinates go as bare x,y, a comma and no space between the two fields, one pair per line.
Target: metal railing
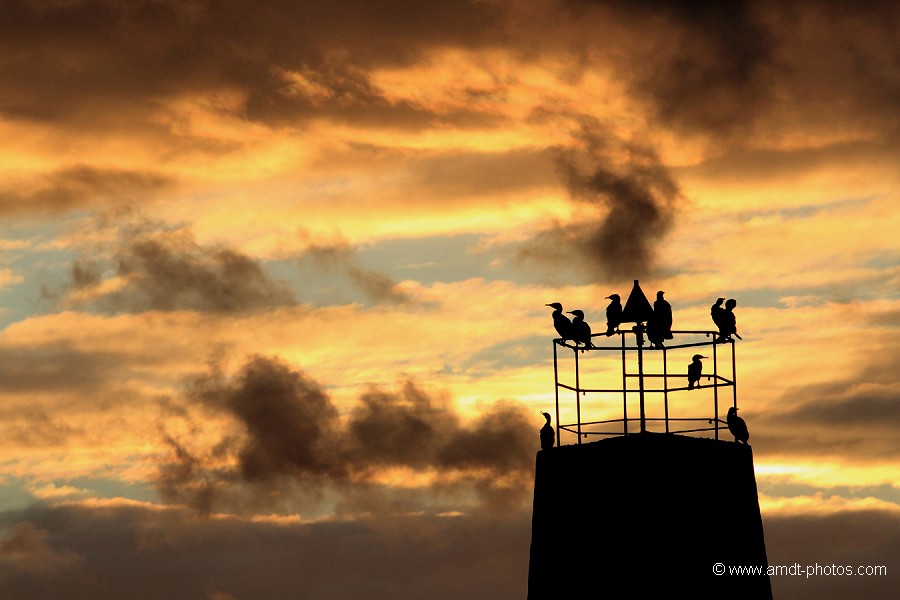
654,384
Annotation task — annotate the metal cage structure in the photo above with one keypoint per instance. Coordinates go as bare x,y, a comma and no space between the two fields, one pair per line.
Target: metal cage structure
658,380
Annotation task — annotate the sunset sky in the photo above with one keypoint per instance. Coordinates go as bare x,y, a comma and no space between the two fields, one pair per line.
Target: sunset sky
274,276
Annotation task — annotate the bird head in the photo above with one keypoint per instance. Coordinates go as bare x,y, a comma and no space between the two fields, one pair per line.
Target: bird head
659,295
577,313
555,305
719,301
699,356
732,411
613,297
546,416
731,303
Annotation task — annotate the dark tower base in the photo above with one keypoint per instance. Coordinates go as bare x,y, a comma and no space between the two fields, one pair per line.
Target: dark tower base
643,515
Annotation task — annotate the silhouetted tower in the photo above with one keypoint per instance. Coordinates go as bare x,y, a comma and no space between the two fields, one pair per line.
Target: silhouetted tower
646,514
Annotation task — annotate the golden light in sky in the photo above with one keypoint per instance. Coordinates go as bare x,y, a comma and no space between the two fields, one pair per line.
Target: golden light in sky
276,271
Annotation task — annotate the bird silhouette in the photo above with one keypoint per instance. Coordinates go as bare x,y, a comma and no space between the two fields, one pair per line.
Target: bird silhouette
613,314
581,330
726,320
548,436
561,322
659,327
694,370
715,311
737,426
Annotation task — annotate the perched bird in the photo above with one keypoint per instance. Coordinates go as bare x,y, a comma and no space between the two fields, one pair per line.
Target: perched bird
659,327
548,436
581,330
715,311
737,426
694,371
727,322
561,322
613,314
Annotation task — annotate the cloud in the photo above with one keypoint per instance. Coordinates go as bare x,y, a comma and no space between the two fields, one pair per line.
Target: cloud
26,550
853,417
123,548
117,63
710,65
107,551
339,255
290,421
78,187
289,435
625,204
849,539
148,267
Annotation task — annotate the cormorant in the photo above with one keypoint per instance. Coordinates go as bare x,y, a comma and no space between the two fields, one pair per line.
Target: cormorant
694,371
548,436
728,324
613,314
561,322
659,327
715,311
581,330
737,426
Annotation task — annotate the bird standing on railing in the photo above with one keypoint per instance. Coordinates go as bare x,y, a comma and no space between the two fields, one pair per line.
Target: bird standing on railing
727,322
737,426
581,330
613,314
561,322
694,371
659,327
548,436
715,311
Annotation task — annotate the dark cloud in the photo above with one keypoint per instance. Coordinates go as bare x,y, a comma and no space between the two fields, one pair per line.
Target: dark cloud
849,539
625,204
290,435
55,368
166,269
35,428
173,274
405,428
75,552
80,186
290,422
340,255
721,68
854,417
711,70
776,166
737,71
93,63
121,552
27,550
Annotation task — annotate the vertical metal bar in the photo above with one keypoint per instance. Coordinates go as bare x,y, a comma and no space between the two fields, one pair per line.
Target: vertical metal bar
640,349
715,388
624,388
733,374
556,390
577,394
666,386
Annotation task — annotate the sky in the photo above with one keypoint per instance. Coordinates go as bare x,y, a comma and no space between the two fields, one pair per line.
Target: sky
273,278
